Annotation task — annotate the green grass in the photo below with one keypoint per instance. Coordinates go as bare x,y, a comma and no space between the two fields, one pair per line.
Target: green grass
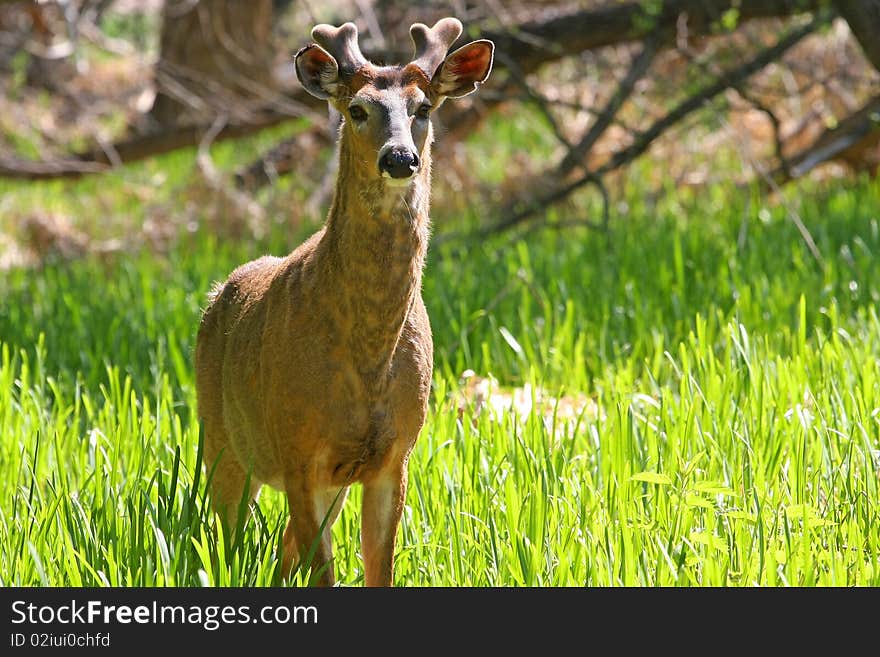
734,439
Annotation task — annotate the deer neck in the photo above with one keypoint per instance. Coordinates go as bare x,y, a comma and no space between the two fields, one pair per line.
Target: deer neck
371,257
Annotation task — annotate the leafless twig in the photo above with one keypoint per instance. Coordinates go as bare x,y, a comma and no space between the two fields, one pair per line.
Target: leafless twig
637,70
643,141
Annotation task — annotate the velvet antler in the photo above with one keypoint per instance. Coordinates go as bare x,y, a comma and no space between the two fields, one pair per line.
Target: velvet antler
431,43
342,43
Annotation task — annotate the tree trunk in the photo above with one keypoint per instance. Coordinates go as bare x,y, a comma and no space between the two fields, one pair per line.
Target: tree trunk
216,59
863,17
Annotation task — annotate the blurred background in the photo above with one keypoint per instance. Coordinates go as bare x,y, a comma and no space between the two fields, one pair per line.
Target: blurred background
585,96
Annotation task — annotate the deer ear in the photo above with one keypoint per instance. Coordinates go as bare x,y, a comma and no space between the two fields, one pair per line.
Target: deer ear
317,71
464,70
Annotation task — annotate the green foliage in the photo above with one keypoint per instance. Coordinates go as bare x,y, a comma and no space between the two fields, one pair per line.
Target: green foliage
141,29
734,438
730,19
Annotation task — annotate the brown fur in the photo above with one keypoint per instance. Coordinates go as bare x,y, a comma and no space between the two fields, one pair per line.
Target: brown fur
313,371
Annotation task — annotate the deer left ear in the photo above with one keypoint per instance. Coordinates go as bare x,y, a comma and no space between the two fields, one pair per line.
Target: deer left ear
317,71
464,70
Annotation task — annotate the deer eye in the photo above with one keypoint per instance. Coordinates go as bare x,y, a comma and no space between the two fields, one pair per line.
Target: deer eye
424,111
358,113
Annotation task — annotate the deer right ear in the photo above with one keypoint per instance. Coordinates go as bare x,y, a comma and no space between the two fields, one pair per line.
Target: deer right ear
317,71
464,70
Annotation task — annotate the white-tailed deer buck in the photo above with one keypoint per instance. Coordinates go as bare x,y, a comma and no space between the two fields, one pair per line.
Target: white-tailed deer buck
313,370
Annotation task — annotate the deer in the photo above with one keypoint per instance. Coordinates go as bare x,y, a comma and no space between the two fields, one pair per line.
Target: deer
313,371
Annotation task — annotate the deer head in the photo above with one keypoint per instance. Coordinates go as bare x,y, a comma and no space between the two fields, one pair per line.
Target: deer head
387,109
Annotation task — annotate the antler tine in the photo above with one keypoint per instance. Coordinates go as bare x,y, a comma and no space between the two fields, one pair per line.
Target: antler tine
431,43
342,43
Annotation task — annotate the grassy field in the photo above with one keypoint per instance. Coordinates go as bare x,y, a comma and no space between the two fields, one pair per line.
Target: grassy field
691,399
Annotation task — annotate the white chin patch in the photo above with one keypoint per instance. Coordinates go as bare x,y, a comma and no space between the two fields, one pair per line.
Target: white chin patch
397,182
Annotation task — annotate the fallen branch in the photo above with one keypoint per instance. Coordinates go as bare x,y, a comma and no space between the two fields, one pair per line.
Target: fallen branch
283,157
847,141
131,150
30,170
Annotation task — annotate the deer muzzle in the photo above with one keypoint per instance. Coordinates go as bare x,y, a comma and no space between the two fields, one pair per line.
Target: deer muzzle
398,162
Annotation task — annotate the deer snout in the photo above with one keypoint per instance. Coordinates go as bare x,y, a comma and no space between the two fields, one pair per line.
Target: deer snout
398,162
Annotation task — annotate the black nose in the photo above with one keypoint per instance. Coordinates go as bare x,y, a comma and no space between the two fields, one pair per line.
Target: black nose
399,163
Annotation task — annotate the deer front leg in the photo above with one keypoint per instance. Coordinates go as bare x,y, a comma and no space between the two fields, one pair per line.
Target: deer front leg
308,510
380,517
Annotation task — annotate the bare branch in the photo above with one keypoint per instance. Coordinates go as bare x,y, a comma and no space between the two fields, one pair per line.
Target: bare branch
857,132
11,167
636,72
131,150
537,43
645,139
774,121
792,214
535,98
